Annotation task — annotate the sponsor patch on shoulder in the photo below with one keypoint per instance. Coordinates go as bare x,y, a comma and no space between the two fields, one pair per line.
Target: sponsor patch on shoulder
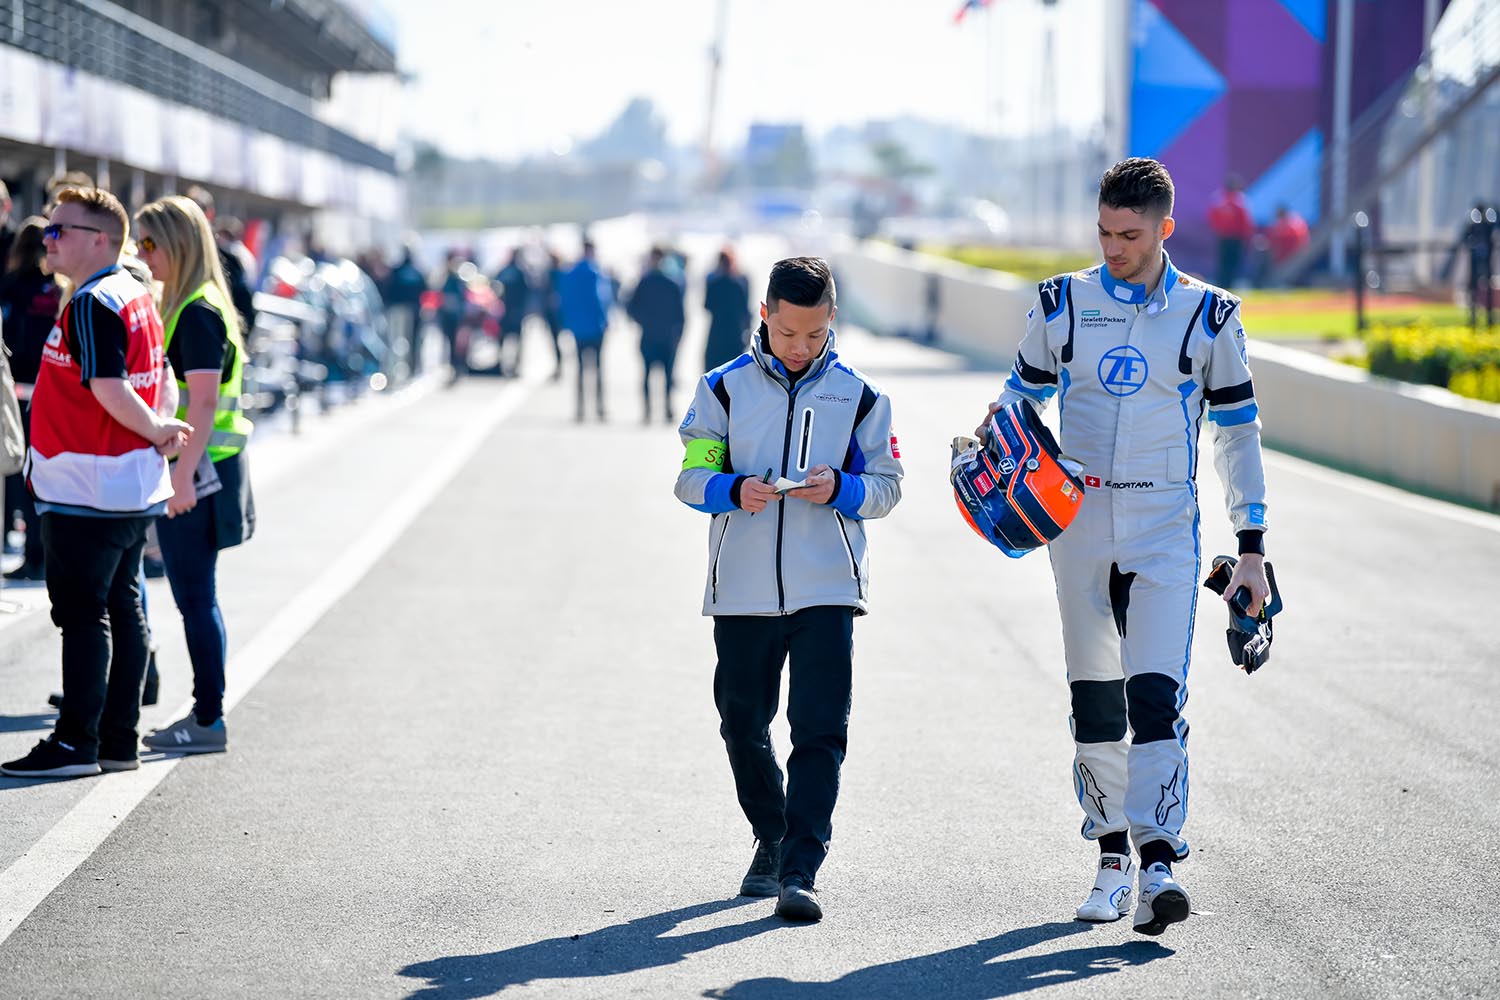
895,445
688,420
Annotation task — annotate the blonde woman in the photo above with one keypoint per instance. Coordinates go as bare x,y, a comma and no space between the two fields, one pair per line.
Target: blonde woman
211,507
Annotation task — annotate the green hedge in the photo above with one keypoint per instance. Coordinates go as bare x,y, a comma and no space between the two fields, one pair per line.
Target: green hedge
1464,361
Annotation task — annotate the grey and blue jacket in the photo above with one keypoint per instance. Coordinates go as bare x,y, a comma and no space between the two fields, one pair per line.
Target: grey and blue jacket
748,417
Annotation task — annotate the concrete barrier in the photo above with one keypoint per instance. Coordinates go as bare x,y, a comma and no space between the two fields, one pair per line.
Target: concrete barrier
1419,437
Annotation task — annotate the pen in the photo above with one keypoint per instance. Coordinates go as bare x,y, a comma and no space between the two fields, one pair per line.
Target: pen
765,479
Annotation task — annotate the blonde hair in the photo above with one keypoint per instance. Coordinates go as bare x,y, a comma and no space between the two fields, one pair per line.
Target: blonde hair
181,232
101,206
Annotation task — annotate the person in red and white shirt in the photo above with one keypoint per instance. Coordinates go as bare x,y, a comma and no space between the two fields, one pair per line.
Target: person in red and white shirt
1230,219
98,471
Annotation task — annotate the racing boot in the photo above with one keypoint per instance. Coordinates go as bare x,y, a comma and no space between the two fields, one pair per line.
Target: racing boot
1111,897
1162,900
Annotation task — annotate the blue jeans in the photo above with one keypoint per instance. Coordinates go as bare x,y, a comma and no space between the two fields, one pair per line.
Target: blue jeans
747,688
190,551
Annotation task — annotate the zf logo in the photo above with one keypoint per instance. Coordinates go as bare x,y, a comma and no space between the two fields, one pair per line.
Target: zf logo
1123,370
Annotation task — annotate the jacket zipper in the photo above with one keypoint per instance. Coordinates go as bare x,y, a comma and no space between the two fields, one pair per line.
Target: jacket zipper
859,585
786,453
719,554
806,445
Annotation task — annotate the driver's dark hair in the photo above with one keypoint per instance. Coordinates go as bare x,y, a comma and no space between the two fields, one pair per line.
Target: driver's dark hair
1138,183
802,281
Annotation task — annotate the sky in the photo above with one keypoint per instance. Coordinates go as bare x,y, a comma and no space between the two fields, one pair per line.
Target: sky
510,78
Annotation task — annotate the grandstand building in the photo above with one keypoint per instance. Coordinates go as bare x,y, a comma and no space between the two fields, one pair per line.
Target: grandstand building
264,102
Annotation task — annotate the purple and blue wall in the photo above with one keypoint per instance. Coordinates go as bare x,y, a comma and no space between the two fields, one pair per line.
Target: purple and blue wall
1244,87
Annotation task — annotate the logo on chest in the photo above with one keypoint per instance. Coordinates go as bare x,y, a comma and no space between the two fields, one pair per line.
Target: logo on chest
1123,370
1094,318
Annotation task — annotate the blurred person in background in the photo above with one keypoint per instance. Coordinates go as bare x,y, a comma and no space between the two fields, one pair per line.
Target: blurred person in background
455,303
586,296
1286,236
29,303
1478,239
7,227
549,291
235,259
515,292
655,304
66,179
97,471
726,296
402,291
212,507
1230,220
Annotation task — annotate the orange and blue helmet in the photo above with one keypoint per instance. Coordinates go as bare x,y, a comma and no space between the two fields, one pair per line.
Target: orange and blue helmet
1014,489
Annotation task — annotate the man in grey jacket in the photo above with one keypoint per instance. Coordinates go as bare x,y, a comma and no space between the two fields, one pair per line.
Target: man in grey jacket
787,577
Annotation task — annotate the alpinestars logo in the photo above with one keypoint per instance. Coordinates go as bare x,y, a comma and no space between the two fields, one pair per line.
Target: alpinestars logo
1091,789
1169,800
1113,861
1222,308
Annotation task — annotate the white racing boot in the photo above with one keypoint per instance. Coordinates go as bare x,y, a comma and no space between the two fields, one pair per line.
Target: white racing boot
1110,898
1162,901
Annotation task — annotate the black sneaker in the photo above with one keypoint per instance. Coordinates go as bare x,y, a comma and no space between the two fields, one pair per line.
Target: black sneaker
763,878
798,901
109,762
52,758
27,572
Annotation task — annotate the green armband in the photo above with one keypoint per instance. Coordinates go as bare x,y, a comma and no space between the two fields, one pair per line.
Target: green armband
704,453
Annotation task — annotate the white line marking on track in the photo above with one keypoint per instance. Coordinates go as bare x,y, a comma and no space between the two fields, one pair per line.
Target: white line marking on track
58,853
1381,491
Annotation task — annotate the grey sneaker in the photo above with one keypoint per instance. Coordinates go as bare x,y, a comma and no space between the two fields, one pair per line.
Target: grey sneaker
186,736
763,879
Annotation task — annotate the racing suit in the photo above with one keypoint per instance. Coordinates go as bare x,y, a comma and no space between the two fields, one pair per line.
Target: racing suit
787,583
1134,376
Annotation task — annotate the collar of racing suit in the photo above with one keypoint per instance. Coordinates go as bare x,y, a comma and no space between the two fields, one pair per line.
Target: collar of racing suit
1131,294
773,367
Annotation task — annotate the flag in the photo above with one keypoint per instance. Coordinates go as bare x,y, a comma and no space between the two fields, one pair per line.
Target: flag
968,6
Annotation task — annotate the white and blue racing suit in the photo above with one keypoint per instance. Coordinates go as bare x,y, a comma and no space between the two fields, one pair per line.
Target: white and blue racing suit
1134,376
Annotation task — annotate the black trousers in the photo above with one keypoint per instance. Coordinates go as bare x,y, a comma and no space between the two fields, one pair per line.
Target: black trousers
663,357
747,689
588,357
93,580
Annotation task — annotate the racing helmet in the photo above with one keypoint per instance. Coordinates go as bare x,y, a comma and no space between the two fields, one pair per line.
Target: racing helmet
1015,489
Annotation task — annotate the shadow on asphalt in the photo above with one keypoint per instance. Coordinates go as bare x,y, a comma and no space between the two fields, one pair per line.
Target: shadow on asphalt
967,973
27,723
628,947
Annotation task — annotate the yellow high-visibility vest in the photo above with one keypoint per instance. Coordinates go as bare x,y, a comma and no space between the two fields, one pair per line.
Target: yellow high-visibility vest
231,427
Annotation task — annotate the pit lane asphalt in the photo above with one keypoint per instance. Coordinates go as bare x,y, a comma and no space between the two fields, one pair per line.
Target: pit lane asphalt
493,765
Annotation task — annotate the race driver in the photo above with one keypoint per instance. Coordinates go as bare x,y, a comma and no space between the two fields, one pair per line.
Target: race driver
1137,354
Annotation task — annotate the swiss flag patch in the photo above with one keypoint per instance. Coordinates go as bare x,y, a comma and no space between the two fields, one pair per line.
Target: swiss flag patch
895,446
1091,481
984,483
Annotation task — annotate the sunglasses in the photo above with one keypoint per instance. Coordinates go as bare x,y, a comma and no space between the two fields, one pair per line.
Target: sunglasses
55,230
146,244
